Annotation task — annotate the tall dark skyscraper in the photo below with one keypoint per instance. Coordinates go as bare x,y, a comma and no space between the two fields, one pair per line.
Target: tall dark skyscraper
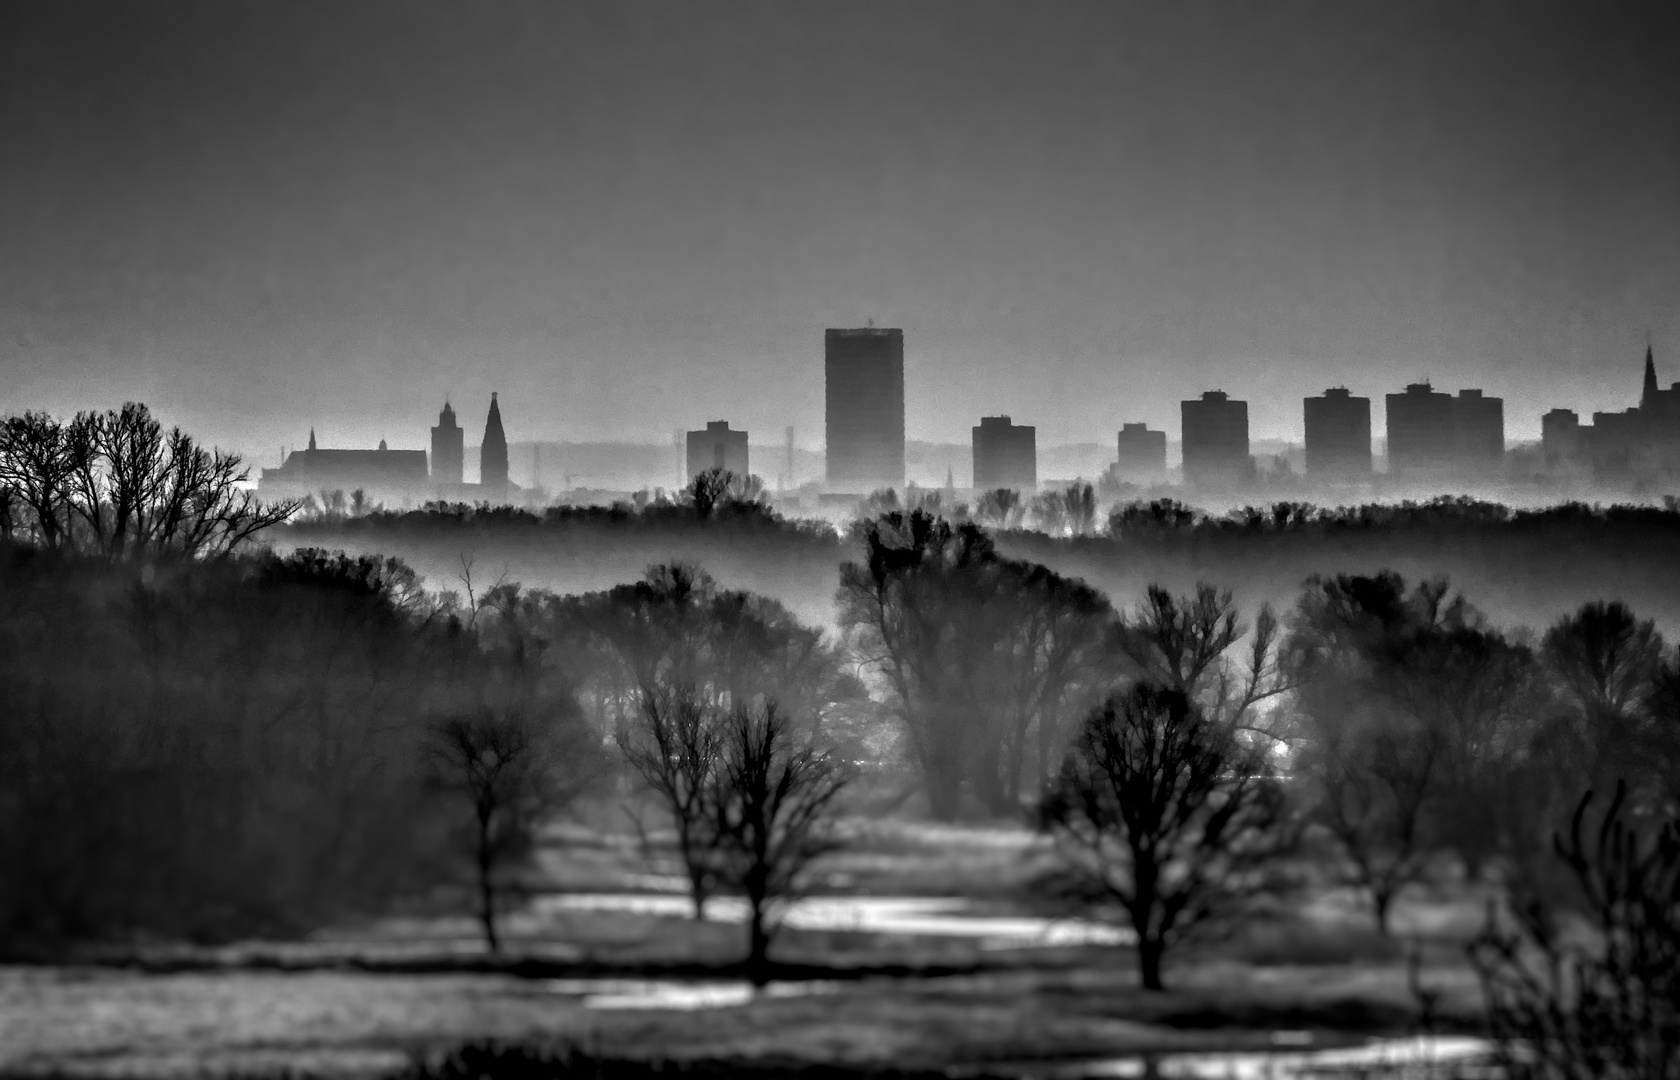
1338,435
1215,439
1005,455
448,448
492,456
863,376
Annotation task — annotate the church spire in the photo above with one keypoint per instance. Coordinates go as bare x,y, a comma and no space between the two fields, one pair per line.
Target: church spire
311,438
1648,396
493,459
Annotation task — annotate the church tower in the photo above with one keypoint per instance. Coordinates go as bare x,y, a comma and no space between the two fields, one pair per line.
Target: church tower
1648,400
493,458
448,453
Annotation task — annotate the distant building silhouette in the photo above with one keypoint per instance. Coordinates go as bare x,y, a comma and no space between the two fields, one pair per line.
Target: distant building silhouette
1338,435
1215,441
863,377
385,475
1479,432
1563,440
1422,434
448,448
1433,435
1141,453
1637,444
717,448
1005,455
493,454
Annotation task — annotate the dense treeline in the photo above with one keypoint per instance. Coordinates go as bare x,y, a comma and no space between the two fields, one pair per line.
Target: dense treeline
1522,566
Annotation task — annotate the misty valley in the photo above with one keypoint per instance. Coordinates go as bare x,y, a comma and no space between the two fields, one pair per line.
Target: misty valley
684,785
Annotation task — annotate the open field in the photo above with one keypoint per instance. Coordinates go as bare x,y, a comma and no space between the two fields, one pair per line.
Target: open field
939,994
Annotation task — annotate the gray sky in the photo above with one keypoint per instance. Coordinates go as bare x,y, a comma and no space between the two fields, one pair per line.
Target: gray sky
629,217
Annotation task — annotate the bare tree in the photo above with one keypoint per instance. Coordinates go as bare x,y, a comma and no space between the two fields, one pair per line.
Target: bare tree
35,468
1164,811
676,750
1415,716
709,490
1000,508
1185,642
1600,1006
774,799
1069,511
1376,796
118,485
1605,666
502,762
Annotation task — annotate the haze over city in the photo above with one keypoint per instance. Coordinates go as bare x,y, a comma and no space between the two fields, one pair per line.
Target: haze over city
630,218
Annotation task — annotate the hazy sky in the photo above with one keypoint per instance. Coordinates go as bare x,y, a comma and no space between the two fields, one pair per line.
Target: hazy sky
629,217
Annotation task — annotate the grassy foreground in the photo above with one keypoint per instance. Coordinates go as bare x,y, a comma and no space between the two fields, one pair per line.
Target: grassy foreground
365,999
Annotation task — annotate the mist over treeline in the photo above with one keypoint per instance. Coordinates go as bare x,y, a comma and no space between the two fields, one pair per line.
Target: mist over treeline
1524,566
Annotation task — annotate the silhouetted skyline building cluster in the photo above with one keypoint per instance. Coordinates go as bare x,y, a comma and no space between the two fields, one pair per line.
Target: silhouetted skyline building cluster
1005,455
1432,437
400,475
1637,444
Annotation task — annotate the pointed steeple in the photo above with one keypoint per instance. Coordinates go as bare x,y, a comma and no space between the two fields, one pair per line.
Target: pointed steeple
311,438
493,454
1648,396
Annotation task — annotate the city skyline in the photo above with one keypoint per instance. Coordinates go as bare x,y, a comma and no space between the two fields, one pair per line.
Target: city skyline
629,220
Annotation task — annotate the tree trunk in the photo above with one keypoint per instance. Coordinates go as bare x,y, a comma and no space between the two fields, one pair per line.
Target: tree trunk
487,888
1149,962
1382,900
758,947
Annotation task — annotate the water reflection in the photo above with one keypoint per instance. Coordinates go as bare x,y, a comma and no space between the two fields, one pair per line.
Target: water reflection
676,994
907,915
1417,1057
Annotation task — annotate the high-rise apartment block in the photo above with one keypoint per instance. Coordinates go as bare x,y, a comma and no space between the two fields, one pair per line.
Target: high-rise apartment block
1142,454
1338,435
863,375
1434,434
448,450
717,447
1421,430
1479,432
1562,441
1215,437
1005,455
